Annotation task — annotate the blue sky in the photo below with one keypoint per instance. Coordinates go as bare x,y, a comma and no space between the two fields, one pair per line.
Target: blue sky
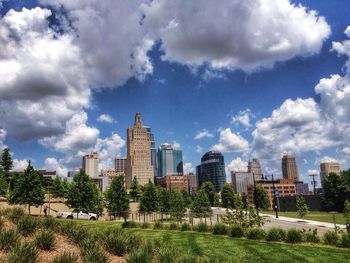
183,83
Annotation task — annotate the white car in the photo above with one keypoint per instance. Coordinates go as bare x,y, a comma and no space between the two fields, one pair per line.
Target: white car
80,215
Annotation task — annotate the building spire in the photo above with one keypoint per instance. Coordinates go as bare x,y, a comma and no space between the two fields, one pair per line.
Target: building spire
138,123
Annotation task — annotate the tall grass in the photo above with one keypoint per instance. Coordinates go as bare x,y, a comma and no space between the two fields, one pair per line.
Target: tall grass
50,223
27,225
23,252
45,239
65,257
8,239
14,213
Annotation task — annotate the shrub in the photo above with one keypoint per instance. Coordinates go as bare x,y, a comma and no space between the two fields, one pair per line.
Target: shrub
116,242
330,237
27,225
145,225
141,255
173,226
45,239
294,236
14,214
134,241
219,229
345,240
2,223
188,259
95,256
236,231
167,254
311,236
77,234
65,257
256,233
8,239
50,223
66,227
23,252
276,234
158,225
185,227
201,227
130,224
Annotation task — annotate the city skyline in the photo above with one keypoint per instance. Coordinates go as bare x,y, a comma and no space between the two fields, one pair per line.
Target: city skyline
253,104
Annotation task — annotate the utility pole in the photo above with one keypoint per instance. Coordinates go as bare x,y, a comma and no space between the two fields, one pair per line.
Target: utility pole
314,182
275,196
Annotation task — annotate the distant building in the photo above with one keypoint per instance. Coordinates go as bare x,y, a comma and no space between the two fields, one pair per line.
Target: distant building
173,182
47,174
241,181
91,164
120,164
153,150
71,174
139,159
302,188
289,167
169,160
286,187
192,183
329,167
255,168
212,169
101,182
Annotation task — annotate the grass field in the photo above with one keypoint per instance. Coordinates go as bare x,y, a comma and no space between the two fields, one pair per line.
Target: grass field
313,215
237,250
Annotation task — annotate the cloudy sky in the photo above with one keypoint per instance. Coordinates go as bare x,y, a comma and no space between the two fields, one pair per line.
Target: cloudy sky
254,78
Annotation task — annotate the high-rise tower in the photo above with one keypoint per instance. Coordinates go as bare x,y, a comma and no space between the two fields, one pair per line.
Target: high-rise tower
289,167
255,168
90,164
169,160
139,160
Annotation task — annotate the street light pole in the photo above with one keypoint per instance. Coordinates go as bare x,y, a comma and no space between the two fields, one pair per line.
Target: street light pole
254,191
275,196
314,182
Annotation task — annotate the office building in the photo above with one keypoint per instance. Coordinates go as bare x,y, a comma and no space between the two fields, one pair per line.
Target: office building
212,169
255,168
153,150
192,183
91,164
241,181
329,167
289,168
169,160
173,182
120,164
72,173
138,160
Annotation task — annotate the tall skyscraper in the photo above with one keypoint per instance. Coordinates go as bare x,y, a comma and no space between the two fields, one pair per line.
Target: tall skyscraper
255,168
120,164
241,181
153,150
329,167
289,167
139,160
212,169
169,160
90,164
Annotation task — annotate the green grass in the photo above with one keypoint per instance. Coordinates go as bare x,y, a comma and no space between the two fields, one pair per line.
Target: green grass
313,215
236,249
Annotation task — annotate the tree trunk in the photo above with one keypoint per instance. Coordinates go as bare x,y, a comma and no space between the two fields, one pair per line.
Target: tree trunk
29,209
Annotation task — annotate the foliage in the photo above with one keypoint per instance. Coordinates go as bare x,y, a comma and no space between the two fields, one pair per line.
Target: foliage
219,229
173,226
59,188
256,233
294,236
14,214
117,199
345,240
201,227
145,225
6,161
95,256
201,204
177,205
276,234
27,225
141,255
135,191
209,189
250,218
330,237
158,225
8,239
261,198
244,200
185,227
236,231
311,236
302,207
336,190
27,189
23,252
45,239
186,197
3,182
83,195
164,200
116,241
347,215
130,224
228,196
65,257
149,201
50,223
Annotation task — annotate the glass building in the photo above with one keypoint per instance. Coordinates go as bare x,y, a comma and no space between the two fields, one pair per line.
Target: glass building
153,150
212,169
169,160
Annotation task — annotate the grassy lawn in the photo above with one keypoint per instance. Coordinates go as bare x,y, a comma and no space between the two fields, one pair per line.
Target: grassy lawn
313,215
237,250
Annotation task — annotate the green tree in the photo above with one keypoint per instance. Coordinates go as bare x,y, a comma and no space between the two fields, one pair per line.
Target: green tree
217,202
186,197
117,198
3,182
201,205
65,188
149,201
6,161
83,195
57,188
164,200
302,207
227,196
336,190
261,198
244,199
177,206
347,215
209,189
135,190
27,189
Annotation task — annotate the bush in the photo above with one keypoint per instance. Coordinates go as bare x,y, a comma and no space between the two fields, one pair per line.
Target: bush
116,242
330,237
141,255
2,223
8,239
145,225
276,234
65,257
27,225
311,236
158,225
256,233
66,227
167,254
50,223
95,256
77,234
294,236
23,252
345,240
45,240
236,231
173,226
201,227
185,227
130,224
219,229
188,259
14,214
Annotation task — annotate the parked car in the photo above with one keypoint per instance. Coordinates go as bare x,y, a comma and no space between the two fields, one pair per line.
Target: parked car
80,215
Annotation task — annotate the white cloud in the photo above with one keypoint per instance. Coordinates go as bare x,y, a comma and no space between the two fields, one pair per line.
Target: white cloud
188,168
237,165
52,164
326,159
230,142
313,171
105,118
108,148
2,139
199,149
243,118
19,165
176,145
203,134
346,151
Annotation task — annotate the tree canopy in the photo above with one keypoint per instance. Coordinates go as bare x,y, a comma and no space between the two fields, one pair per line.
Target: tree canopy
261,198
117,198
135,190
336,190
209,189
149,201
227,196
177,205
302,207
201,205
6,161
